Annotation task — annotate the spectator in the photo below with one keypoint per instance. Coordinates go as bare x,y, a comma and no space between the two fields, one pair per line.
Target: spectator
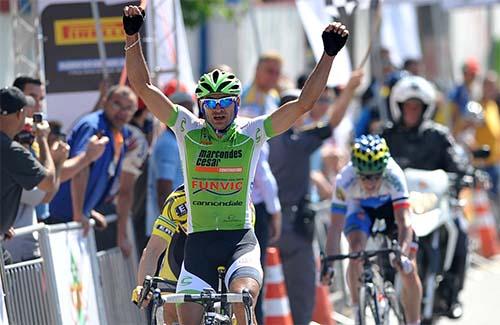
488,132
386,62
369,120
165,168
78,197
290,163
121,196
19,168
32,87
143,121
135,158
262,97
462,93
301,80
413,66
23,248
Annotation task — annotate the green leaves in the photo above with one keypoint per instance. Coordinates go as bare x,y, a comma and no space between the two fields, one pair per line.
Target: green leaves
197,11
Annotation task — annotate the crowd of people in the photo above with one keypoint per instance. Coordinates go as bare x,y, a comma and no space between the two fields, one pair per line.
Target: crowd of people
119,159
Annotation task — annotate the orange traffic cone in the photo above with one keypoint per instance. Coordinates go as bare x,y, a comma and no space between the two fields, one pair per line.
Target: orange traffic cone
276,306
484,224
323,309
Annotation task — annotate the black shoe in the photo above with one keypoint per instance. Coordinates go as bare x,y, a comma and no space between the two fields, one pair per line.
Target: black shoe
455,311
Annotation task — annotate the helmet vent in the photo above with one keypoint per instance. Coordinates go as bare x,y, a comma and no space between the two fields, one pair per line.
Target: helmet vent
224,84
215,75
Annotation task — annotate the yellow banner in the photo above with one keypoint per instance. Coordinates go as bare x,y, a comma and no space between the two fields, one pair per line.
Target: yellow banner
82,31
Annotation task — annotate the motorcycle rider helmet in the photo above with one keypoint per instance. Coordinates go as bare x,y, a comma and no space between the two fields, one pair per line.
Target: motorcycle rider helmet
370,154
218,82
412,87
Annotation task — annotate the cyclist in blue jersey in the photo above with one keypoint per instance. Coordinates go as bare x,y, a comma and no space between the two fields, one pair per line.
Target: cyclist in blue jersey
219,154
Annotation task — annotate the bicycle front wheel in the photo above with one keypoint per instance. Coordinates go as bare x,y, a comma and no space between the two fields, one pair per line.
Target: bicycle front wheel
368,301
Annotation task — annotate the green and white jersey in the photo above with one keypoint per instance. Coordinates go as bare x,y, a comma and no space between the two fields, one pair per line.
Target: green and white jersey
218,172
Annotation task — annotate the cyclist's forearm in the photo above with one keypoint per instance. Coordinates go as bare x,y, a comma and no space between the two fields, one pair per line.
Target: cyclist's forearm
147,266
405,232
137,71
334,234
316,83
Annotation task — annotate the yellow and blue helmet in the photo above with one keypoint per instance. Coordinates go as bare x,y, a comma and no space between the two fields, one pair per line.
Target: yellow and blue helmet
370,154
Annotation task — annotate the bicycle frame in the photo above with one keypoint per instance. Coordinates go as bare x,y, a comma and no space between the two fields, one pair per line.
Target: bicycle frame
373,285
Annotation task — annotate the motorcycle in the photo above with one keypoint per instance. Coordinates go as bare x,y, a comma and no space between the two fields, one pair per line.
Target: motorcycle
435,216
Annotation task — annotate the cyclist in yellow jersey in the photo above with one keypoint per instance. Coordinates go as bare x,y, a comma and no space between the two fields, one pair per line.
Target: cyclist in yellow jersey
168,236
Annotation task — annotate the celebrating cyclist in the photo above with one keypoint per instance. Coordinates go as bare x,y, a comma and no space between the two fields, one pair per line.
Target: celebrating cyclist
373,186
219,153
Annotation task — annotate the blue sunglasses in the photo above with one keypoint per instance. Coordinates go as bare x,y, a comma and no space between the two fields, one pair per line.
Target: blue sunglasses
211,103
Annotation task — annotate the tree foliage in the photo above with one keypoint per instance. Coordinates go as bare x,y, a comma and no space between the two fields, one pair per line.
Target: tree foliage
196,11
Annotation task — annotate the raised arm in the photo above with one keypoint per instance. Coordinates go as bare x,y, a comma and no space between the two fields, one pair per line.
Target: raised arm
342,103
137,71
334,38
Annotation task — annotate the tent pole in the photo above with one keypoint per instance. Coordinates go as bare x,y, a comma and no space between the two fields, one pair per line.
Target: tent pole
100,39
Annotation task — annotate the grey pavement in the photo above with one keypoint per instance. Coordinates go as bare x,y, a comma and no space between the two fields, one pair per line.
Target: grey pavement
480,296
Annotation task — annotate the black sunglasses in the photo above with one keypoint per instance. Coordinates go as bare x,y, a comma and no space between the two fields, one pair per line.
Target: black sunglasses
370,177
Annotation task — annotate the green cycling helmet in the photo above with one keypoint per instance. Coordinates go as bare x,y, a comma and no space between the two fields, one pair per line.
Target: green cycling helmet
217,81
370,154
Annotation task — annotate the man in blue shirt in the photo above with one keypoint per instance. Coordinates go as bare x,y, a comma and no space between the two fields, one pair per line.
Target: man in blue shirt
461,94
78,197
261,96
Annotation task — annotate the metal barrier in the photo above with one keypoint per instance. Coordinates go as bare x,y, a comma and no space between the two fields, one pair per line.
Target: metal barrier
28,300
32,295
118,280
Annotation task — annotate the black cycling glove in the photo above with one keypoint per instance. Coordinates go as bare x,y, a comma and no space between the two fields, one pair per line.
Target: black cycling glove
132,24
333,42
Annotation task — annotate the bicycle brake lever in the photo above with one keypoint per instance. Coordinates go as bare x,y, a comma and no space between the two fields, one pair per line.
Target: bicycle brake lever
146,287
247,297
157,297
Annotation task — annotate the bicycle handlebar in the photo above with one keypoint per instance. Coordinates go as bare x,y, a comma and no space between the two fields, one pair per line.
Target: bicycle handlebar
180,298
361,254
205,297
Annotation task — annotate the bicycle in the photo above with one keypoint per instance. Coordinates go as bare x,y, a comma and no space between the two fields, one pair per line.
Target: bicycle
375,292
217,306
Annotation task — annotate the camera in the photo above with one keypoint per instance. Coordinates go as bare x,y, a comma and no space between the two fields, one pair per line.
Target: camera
37,117
26,136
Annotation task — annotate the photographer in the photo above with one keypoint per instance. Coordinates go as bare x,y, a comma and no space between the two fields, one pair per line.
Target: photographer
19,168
26,247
